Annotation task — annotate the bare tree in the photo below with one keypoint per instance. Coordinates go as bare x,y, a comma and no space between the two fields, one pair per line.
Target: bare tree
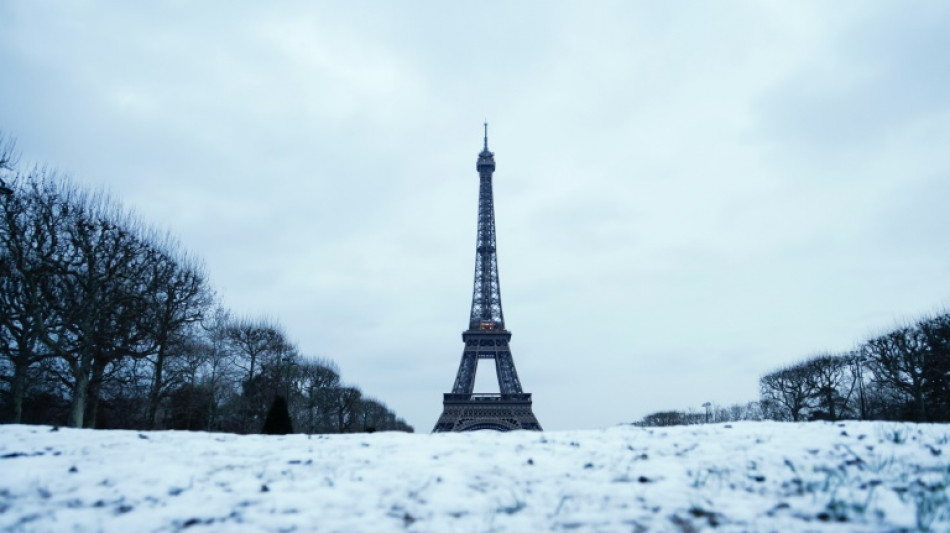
254,342
935,332
347,401
218,370
375,416
29,243
833,384
8,161
792,388
316,380
179,297
94,291
900,359
665,418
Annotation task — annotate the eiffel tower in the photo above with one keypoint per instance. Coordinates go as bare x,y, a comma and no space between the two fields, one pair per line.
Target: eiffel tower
486,337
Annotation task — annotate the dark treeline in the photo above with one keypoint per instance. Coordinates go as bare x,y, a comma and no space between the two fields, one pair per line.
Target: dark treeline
105,323
709,414
903,375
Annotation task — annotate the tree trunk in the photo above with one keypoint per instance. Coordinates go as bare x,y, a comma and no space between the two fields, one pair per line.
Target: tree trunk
212,398
831,404
249,397
154,393
95,390
18,390
311,407
861,397
796,411
78,402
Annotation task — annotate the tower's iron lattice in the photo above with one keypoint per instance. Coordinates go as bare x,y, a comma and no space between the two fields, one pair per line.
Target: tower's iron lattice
486,336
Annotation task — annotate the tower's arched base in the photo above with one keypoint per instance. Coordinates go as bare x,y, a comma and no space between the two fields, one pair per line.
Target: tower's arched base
498,412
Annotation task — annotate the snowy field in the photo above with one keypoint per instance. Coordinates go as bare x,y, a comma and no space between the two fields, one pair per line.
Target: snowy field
853,476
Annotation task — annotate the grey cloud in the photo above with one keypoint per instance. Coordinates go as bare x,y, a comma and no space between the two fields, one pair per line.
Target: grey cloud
687,196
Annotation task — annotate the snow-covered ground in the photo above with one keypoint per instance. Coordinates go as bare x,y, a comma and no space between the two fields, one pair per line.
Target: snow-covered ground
852,476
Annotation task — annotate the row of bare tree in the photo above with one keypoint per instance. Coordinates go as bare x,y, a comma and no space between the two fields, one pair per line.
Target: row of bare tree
107,323
710,414
901,375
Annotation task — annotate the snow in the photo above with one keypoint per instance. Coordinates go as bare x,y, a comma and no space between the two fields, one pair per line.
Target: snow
751,476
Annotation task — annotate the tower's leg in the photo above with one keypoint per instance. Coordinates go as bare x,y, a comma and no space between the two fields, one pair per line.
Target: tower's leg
465,380
508,382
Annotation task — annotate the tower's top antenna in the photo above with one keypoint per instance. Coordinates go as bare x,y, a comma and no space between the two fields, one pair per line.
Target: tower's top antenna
486,159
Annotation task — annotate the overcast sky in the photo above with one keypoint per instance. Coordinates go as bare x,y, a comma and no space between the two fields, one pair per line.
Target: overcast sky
688,195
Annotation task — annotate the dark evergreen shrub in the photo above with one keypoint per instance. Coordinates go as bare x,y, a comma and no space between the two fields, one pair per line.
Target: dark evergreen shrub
278,418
